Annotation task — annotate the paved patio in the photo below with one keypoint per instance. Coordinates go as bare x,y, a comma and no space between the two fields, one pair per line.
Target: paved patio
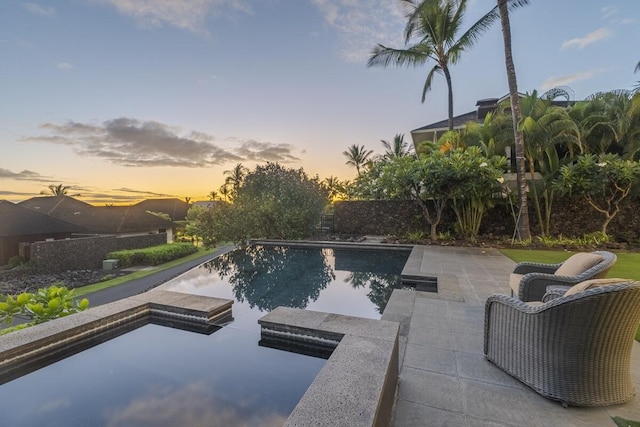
444,377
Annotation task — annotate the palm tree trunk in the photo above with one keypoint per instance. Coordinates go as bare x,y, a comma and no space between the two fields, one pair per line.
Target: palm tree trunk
523,217
447,76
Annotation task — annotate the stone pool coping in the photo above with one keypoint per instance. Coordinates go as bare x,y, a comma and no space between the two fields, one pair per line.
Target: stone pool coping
357,385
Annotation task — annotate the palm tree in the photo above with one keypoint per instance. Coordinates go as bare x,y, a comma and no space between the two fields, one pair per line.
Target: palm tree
435,25
357,156
213,195
56,190
523,228
397,148
235,178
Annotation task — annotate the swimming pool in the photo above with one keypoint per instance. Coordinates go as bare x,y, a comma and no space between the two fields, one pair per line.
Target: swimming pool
259,278
161,376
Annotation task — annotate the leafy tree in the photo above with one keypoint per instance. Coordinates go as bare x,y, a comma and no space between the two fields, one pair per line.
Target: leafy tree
604,181
432,34
437,179
524,230
272,202
357,156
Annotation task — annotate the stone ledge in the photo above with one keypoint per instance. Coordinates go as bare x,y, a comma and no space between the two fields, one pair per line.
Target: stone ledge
357,385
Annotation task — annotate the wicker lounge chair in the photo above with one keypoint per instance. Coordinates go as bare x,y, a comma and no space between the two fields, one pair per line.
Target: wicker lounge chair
529,280
575,349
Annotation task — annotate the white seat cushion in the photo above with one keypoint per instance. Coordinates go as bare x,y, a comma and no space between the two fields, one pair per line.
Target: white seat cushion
577,264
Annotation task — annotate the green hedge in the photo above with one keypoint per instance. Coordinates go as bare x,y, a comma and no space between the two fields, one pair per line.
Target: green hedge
154,255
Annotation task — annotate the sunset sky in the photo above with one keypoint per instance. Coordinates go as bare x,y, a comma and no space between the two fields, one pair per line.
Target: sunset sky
130,99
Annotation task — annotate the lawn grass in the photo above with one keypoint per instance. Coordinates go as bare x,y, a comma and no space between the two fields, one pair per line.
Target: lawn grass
139,274
626,267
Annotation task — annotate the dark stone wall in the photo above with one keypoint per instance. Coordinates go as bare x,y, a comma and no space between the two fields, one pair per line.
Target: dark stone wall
86,253
571,217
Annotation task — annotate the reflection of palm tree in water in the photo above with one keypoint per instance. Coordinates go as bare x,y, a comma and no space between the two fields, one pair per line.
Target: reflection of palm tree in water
380,286
272,276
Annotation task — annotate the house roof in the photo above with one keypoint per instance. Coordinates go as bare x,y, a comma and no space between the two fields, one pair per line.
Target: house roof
484,106
175,208
16,220
458,121
97,219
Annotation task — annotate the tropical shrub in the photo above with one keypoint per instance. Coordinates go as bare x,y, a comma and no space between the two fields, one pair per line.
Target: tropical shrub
604,181
462,177
41,306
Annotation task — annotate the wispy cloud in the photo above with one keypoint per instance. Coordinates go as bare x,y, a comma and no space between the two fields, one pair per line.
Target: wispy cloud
609,12
25,175
64,65
361,24
581,42
37,9
184,14
131,142
628,21
552,82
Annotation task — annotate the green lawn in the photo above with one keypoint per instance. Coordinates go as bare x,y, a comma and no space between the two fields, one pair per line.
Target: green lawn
138,274
626,267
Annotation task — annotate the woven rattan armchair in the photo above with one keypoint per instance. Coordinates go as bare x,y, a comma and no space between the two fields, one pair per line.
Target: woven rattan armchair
529,280
574,349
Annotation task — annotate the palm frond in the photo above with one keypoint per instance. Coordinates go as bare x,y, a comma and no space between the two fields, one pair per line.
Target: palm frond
427,83
386,56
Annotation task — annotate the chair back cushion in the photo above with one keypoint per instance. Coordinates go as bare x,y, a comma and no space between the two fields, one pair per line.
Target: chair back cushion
593,283
578,263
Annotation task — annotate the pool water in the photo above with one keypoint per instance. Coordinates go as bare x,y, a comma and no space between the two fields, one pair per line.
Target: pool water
355,282
161,376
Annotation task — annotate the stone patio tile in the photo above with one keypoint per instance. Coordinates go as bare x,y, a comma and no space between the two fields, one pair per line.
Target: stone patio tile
430,388
499,403
409,414
430,358
468,343
430,336
479,422
476,367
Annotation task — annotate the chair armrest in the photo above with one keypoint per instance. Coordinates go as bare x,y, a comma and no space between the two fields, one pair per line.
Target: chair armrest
533,286
502,314
535,267
554,291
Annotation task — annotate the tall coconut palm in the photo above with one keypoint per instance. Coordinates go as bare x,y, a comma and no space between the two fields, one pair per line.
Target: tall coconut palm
56,190
523,228
431,34
357,156
235,178
397,148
